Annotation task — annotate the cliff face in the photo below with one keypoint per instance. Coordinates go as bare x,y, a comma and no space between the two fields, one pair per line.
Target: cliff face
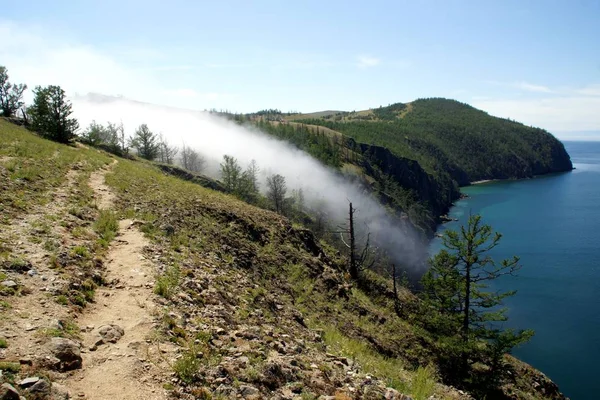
437,193
408,174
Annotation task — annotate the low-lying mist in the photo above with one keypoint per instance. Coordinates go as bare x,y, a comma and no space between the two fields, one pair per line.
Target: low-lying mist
213,137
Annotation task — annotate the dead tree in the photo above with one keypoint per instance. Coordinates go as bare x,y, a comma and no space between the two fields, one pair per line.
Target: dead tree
396,300
357,260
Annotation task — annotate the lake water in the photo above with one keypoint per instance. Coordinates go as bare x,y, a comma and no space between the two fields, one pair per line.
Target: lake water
553,224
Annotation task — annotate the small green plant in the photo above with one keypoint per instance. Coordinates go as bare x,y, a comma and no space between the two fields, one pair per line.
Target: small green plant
62,299
18,264
10,367
88,290
106,226
423,383
256,294
167,283
66,328
187,365
203,336
307,396
80,251
3,343
77,212
51,245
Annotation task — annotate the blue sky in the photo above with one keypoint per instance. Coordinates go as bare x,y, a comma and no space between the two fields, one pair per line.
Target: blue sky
534,61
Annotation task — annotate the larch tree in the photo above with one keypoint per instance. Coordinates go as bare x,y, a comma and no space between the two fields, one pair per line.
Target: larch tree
276,190
457,287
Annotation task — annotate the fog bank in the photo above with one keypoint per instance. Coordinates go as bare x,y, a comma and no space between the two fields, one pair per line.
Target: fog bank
214,137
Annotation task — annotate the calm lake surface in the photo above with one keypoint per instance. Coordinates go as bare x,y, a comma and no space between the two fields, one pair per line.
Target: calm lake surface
553,224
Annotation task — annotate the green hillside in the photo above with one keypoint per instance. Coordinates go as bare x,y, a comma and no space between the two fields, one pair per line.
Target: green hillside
445,135
245,304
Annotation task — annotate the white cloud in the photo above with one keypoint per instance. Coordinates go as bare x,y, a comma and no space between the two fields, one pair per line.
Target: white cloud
530,87
556,113
590,90
38,57
368,61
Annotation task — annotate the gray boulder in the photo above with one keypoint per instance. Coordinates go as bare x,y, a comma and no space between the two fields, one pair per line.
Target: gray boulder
67,352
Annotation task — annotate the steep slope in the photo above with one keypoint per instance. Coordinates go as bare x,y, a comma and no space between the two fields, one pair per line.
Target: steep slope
247,304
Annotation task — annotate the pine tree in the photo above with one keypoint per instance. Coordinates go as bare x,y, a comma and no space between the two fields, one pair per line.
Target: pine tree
231,173
50,114
145,142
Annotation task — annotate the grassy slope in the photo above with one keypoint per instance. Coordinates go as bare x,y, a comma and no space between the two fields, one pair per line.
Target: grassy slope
228,264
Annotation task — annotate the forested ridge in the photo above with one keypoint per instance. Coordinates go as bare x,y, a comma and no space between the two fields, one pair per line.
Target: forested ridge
452,143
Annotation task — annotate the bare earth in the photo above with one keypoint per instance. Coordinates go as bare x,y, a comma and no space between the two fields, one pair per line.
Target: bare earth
127,369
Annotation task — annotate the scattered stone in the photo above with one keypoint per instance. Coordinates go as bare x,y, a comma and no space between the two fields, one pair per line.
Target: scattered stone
67,352
393,394
25,361
247,391
42,386
8,392
32,272
25,383
111,333
9,284
59,392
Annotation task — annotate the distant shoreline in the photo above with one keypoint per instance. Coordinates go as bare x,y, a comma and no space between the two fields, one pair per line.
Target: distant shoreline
483,181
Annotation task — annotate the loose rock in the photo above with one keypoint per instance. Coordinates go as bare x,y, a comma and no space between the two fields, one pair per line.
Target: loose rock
8,392
67,352
25,383
41,387
111,333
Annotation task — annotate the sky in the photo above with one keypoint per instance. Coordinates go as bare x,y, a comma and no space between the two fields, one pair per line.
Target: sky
537,62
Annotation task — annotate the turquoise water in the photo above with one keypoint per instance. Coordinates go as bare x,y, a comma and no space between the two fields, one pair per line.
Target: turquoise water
553,224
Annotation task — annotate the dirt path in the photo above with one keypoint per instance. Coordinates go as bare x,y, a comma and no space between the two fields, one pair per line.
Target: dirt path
128,368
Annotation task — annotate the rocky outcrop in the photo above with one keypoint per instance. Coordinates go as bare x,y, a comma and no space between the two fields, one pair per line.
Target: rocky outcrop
410,175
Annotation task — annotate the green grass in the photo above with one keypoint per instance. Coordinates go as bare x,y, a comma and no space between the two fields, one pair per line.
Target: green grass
106,226
3,343
10,367
36,166
419,384
80,251
167,283
66,329
393,370
186,367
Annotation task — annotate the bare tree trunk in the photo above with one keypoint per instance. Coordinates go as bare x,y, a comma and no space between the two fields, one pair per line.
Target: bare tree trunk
353,266
396,302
